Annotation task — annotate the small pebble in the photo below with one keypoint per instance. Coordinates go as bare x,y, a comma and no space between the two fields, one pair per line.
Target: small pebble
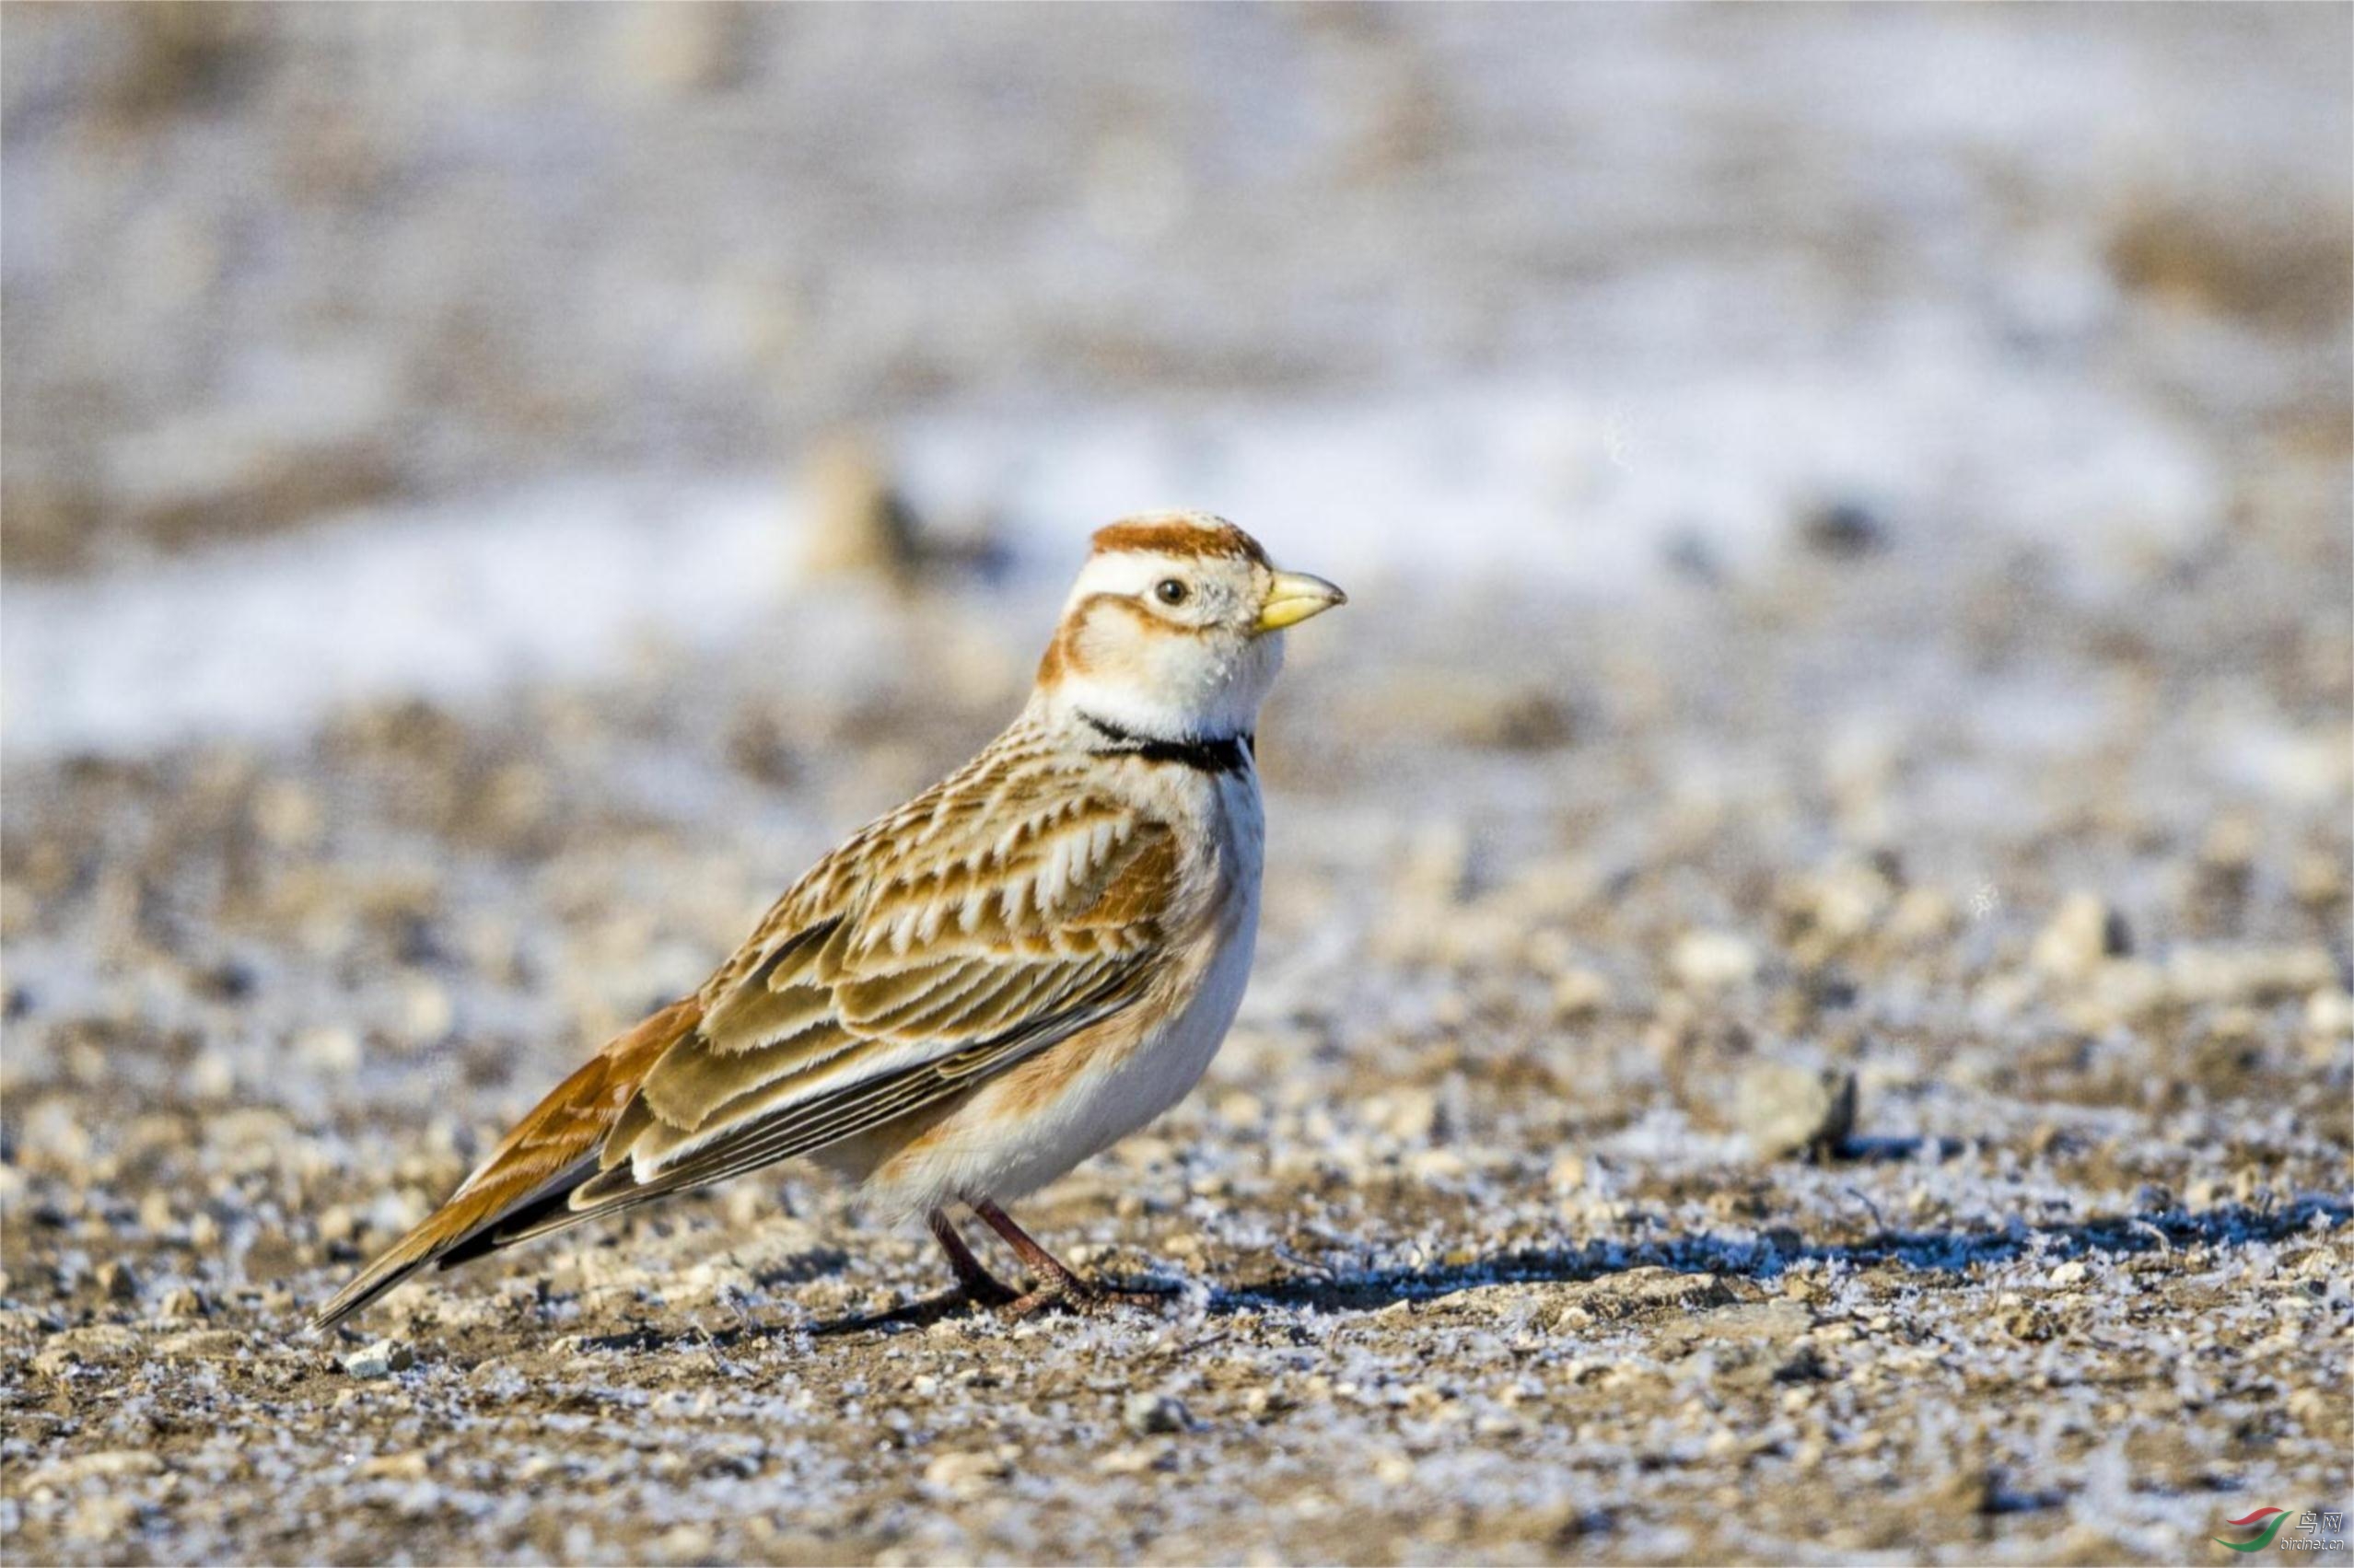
117,1283
1146,1414
2081,935
1714,961
1842,530
379,1360
1580,994
181,1301
1789,1110
965,1474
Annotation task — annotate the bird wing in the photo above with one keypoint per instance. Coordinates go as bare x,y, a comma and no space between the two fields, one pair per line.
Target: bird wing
949,964
1004,911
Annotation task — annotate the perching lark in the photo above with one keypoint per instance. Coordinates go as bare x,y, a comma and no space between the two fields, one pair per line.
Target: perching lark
1010,973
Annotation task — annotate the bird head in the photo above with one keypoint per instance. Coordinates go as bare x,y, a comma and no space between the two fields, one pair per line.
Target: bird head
1174,629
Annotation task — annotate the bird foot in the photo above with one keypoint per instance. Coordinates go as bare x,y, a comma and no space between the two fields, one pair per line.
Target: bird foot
988,1293
1071,1293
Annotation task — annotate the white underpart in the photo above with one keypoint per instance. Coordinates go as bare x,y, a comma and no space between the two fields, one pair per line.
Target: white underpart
987,1149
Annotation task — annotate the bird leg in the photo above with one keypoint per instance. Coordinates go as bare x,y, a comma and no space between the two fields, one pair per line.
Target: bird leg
979,1285
1057,1284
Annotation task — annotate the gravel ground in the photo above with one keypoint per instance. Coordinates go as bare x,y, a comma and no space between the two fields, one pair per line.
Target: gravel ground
1810,1022
1519,1218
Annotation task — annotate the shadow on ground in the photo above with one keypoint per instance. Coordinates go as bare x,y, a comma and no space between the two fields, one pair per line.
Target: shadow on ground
1943,1251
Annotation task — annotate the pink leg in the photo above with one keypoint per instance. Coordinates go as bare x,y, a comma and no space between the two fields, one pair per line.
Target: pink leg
1056,1281
977,1283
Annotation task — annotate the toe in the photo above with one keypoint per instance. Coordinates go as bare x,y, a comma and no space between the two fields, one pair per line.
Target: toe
1044,1299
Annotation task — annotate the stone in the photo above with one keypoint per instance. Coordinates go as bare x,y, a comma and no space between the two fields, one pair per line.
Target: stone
859,527
2329,1015
1786,1109
379,1360
966,1475
2084,932
182,1302
1842,531
1579,993
1146,1414
1714,961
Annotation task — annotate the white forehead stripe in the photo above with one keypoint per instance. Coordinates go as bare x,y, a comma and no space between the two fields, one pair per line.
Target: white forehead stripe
1127,572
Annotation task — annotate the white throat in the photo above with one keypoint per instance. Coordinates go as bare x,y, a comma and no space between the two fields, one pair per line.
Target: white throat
1208,699
1182,670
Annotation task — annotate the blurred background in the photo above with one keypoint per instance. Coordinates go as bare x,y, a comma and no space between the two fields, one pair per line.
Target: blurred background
1587,294
1851,650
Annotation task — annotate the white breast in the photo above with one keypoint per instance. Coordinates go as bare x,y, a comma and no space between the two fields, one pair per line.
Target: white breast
1138,1069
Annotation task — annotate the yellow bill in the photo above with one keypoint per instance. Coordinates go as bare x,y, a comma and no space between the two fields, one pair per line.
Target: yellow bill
1295,597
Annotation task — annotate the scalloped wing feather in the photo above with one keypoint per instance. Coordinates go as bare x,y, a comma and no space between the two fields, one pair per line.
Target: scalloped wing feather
964,949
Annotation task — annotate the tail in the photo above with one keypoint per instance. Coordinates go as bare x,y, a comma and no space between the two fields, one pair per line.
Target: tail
520,1190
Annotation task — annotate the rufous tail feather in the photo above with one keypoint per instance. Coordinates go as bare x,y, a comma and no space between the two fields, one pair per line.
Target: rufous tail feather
549,1151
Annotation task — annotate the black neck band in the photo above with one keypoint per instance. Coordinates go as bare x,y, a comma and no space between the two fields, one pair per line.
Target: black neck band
1228,754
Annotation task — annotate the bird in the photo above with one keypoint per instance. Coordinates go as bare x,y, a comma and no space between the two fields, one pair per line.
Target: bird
977,991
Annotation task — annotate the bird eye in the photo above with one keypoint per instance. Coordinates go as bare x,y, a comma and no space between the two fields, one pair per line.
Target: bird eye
1171,591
